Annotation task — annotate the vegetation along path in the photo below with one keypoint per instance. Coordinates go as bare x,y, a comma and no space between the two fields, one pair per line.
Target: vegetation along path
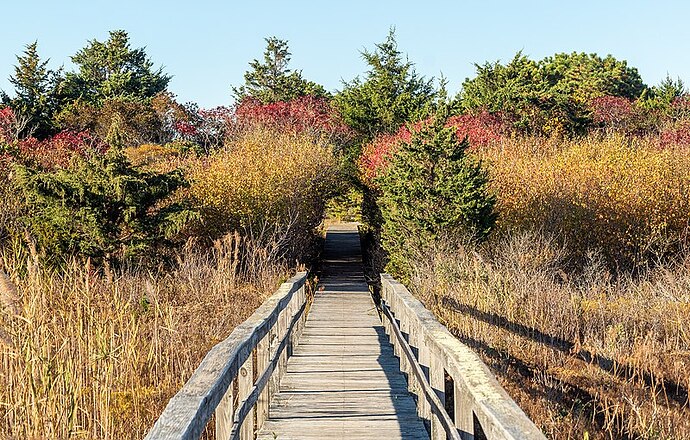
343,380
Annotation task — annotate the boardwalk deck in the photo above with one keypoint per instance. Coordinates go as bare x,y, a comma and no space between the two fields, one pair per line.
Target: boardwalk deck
343,380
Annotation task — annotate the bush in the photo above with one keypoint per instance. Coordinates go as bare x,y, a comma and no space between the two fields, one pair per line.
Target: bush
309,115
101,207
628,199
266,180
431,189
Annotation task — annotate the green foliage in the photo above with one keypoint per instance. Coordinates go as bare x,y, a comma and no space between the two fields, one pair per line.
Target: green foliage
101,207
115,137
669,90
112,69
550,96
391,93
432,190
34,87
139,122
272,80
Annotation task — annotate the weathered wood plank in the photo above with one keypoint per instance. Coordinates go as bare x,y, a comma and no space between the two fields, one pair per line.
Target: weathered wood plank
343,380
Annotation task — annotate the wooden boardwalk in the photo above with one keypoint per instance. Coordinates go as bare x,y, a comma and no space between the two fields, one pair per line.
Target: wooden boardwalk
343,380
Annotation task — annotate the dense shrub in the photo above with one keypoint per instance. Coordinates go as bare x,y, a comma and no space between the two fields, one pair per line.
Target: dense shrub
431,190
265,180
480,128
58,151
308,115
675,135
138,120
376,155
628,199
101,207
550,96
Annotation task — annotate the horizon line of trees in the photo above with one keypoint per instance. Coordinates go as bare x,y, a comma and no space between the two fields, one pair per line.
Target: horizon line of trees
114,83
115,98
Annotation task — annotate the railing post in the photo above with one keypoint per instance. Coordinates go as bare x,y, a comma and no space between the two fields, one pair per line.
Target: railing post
424,363
464,417
417,343
283,335
246,382
263,353
437,381
225,412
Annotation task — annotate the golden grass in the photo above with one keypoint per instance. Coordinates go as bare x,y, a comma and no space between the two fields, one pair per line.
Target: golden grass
98,356
590,353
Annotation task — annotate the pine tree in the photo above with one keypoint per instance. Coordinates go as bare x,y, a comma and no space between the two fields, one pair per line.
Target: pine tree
112,69
34,86
272,81
432,190
391,94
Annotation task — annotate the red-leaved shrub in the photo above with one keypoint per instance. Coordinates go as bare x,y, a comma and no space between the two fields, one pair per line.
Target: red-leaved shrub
58,151
304,115
480,129
676,135
612,111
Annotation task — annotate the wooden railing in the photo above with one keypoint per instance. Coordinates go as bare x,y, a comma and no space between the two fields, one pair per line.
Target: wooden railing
238,377
428,354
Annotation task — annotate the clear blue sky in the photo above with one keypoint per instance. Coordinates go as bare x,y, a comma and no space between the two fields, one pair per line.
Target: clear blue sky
206,45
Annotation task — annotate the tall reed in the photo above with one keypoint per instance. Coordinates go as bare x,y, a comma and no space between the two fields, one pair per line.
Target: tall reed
97,356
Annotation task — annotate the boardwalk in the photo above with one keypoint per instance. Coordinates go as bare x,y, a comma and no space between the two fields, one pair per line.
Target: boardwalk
343,380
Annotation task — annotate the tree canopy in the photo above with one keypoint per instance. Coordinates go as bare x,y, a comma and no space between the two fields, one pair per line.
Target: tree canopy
272,80
551,93
390,94
112,69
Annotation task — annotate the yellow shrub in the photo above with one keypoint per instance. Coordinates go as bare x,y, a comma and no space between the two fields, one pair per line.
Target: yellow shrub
266,178
629,199
149,154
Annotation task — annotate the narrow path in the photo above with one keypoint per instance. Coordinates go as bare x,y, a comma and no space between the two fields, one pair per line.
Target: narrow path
343,380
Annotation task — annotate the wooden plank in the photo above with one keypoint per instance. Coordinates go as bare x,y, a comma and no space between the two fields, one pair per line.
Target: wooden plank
224,414
245,382
343,380
263,354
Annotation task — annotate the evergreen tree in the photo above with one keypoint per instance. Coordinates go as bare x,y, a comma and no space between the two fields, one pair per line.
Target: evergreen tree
432,190
272,81
669,90
111,69
391,93
34,87
102,207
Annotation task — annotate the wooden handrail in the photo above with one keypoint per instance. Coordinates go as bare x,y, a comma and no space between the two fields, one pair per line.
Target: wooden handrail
266,338
437,407
477,393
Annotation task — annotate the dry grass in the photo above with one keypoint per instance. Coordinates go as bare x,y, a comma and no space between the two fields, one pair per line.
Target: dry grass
98,356
580,354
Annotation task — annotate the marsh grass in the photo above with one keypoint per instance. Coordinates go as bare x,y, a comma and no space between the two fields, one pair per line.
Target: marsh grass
579,351
97,354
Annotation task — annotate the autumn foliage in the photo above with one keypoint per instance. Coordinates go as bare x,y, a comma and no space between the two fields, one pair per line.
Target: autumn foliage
628,200
266,180
304,115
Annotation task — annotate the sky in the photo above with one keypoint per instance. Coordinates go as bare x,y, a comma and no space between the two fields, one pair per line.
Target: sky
206,45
